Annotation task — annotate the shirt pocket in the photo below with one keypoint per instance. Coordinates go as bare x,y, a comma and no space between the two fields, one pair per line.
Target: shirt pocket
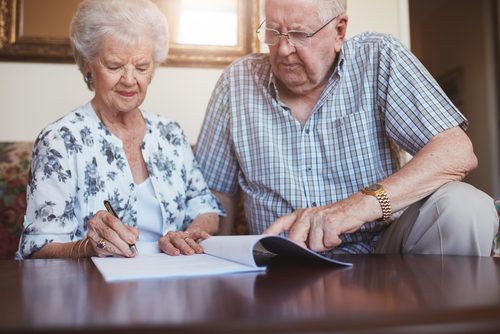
352,150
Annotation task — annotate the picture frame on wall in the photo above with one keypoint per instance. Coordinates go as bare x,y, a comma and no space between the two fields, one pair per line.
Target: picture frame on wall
203,33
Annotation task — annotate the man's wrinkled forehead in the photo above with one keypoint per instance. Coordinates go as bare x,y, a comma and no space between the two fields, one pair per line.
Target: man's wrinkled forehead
322,9
291,10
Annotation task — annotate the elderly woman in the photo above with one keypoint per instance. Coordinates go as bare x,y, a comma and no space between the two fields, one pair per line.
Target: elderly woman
109,149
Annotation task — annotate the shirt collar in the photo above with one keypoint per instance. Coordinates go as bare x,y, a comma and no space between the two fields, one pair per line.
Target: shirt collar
338,69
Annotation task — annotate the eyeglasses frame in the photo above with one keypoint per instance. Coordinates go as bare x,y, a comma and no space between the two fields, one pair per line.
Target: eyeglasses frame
287,35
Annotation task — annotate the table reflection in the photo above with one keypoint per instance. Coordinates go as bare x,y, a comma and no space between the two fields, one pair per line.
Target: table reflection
401,285
64,292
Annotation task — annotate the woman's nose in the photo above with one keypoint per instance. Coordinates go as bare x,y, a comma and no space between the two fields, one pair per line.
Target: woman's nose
128,75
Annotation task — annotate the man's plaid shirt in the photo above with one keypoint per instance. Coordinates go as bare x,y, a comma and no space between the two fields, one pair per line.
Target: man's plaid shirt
377,92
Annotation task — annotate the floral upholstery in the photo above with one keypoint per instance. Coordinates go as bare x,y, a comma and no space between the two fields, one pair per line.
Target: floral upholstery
496,250
14,164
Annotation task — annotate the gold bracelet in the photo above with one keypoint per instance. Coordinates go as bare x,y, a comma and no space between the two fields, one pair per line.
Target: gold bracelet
86,243
71,251
80,242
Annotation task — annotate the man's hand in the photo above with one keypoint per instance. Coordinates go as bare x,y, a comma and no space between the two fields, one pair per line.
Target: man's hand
319,228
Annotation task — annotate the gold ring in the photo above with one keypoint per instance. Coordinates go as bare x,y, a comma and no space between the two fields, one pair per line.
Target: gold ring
101,244
186,238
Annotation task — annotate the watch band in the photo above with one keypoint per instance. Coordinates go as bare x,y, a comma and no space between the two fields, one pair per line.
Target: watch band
385,204
376,190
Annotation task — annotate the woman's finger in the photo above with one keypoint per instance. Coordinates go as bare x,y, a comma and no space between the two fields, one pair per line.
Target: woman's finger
110,229
167,247
191,242
197,234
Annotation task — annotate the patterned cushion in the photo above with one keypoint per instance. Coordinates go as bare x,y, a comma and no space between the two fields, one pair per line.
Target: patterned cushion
14,165
496,250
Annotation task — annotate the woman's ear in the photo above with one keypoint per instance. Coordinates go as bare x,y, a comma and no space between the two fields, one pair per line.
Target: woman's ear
85,67
87,76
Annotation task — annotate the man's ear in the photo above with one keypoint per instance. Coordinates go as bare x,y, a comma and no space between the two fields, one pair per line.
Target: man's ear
341,30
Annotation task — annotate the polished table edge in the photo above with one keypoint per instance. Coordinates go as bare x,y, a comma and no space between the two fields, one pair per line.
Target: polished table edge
476,320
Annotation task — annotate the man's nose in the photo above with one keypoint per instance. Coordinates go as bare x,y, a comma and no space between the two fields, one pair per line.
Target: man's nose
284,45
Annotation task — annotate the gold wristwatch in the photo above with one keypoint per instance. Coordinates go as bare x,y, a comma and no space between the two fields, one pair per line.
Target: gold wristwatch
376,190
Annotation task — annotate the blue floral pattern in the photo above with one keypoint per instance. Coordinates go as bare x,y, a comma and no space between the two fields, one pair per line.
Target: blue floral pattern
78,163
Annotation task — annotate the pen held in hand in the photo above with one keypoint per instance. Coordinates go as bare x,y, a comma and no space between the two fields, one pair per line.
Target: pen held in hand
110,209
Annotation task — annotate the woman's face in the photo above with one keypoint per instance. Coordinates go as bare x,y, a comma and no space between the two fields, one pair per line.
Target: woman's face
121,75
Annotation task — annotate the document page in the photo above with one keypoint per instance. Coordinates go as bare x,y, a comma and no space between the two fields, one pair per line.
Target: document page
161,265
237,248
223,255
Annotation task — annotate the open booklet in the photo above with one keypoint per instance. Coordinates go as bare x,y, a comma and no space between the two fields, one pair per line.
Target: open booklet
223,255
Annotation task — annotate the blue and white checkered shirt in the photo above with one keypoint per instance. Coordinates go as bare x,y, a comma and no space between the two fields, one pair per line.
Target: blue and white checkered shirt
378,92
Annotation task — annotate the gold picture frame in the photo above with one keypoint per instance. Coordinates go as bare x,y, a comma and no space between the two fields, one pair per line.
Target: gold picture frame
18,43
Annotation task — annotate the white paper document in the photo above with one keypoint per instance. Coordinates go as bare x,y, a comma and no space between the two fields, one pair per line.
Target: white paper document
223,255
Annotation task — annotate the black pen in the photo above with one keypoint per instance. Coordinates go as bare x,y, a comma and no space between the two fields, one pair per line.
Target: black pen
110,209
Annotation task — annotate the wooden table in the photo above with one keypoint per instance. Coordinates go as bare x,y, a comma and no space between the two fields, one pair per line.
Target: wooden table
379,294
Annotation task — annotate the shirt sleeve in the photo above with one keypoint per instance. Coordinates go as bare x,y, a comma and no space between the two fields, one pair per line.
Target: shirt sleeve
199,198
415,107
214,149
50,215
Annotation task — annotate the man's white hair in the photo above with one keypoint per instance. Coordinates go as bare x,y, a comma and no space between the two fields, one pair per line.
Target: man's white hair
328,9
331,8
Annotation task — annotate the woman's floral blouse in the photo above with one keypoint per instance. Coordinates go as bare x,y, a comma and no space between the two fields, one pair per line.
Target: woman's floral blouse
77,164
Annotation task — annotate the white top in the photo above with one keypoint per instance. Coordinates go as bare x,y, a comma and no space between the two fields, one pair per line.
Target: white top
149,221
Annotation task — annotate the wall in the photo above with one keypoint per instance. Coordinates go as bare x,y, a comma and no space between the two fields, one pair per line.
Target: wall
458,36
32,94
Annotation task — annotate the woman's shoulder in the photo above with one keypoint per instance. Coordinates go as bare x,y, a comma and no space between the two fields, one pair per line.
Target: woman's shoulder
75,120
161,123
164,128
68,129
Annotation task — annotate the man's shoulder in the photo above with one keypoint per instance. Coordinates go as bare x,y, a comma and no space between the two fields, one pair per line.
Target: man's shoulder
252,59
372,39
371,46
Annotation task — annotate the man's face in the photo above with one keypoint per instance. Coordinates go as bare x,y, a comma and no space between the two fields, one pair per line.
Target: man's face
303,69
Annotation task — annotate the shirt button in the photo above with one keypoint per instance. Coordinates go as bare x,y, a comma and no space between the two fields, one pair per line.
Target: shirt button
308,169
314,204
307,131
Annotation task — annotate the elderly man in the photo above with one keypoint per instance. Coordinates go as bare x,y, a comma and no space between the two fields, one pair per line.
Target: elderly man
306,132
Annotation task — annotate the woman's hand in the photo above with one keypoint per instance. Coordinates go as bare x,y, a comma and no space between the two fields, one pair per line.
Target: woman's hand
185,242
110,237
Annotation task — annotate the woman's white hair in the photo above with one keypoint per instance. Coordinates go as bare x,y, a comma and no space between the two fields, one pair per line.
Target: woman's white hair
128,21
331,8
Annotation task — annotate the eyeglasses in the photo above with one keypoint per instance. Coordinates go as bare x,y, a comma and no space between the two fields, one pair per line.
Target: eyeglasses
297,39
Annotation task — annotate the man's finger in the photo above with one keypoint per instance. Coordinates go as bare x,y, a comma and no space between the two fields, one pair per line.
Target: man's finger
280,225
299,231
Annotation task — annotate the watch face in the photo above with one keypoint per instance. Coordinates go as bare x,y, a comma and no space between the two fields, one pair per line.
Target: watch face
373,187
